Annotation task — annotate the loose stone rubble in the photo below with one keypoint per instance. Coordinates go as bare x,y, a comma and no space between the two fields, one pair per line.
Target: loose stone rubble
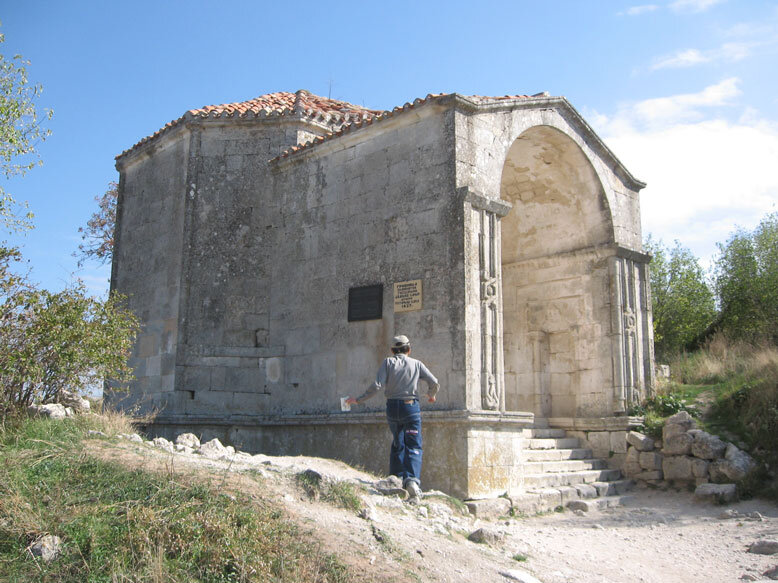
687,455
46,547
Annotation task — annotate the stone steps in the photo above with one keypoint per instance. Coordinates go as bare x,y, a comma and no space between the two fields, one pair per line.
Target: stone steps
542,467
543,455
552,479
558,472
554,443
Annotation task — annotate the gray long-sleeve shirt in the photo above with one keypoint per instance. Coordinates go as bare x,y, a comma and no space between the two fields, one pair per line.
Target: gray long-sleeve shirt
399,376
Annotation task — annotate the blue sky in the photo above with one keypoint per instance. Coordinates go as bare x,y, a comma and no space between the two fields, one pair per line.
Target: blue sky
684,91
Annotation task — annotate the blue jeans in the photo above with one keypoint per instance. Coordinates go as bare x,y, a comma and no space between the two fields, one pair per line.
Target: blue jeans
405,423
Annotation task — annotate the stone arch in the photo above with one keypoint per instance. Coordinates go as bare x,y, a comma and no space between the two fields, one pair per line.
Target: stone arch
554,278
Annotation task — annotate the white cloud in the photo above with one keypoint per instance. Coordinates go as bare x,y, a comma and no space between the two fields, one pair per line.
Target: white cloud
705,176
664,111
638,10
728,52
693,5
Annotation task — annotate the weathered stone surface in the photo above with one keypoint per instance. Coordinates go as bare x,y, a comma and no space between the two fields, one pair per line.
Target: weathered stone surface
50,410
678,444
188,440
489,508
706,446
678,467
74,401
213,449
734,468
650,460
46,547
650,475
772,573
700,468
392,486
718,493
639,441
163,444
764,547
486,536
677,424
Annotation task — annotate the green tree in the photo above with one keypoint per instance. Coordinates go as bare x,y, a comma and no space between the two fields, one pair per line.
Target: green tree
746,282
20,132
682,302
97,236
48,341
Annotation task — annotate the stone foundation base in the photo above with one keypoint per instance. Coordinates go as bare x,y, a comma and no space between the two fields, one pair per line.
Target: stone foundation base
467,454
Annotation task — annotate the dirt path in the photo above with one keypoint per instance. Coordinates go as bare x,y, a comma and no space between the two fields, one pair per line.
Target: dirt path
660,537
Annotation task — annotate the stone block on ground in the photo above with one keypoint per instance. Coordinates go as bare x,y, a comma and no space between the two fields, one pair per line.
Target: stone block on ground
717,493
639,441
46,547
487,536
213,449
188,440
489,508
764,547
163,444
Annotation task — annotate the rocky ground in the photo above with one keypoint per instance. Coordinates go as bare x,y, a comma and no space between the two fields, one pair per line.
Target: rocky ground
658,537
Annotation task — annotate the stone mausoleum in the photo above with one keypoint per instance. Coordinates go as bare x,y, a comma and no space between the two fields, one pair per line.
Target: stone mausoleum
273,247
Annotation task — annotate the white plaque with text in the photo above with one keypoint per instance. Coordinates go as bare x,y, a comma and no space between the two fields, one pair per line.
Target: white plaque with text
407,296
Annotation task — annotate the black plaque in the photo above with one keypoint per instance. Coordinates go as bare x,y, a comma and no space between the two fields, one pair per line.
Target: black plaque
365,303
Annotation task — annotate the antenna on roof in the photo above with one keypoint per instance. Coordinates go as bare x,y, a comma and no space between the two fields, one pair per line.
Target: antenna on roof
329,91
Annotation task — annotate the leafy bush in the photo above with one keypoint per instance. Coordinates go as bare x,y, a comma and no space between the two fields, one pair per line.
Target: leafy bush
52,341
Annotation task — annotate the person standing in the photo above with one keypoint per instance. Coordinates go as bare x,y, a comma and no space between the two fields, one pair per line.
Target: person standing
399,376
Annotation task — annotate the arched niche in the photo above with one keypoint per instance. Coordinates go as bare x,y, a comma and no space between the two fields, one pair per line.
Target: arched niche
555,285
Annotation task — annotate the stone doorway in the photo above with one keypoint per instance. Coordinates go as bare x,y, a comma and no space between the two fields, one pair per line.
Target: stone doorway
555,278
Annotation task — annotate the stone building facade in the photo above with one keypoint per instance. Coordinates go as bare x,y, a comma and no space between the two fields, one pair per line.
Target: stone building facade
272,248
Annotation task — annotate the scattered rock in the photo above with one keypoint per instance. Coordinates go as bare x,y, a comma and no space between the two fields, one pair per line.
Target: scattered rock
183,449
579,505
188,440
163,444
94,433
135,438
639,441
367,513
764,547
74,401
213,449
50,410
423,512
485,536
677,424
47,547
519,575
717,493
706,446
379,535
772,573
391,486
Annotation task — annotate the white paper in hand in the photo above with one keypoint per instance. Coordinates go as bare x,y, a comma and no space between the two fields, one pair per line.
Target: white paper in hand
343,405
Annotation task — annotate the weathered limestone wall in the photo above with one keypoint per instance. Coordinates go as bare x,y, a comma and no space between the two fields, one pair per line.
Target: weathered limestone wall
147,263
375,208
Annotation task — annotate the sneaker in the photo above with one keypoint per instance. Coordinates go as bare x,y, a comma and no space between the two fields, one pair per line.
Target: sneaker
413,489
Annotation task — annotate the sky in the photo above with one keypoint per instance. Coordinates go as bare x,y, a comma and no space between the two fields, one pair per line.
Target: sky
685,92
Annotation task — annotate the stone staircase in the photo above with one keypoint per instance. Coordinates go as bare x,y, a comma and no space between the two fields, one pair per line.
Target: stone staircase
559,472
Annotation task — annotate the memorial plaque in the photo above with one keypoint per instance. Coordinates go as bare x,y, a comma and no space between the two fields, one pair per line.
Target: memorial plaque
365,303
407,296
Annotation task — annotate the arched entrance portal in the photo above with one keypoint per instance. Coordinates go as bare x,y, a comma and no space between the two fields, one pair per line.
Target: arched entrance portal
555,279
